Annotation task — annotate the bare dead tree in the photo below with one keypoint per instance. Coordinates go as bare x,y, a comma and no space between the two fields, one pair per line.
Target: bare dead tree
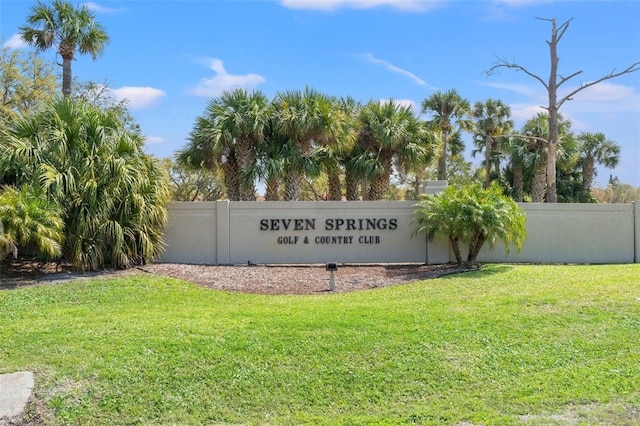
552,86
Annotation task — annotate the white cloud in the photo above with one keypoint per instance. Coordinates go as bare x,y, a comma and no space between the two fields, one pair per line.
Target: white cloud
390,67
95,7
521,3
138,97
224,81
405,103
521,112
154,140
407,5
15,42
522,89
606,97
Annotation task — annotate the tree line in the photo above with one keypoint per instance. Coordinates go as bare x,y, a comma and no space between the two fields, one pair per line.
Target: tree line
355,148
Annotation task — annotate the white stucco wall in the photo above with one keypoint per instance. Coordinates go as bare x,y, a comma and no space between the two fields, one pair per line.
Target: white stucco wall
324,231
191,236
572,233
381,232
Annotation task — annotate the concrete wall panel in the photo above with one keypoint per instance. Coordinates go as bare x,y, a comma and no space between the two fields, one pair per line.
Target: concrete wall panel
319,232
191,235
572,233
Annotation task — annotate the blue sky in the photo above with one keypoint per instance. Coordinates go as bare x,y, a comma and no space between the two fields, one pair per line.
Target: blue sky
170,57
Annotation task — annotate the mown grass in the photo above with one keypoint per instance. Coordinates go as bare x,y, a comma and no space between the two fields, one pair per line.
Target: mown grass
504,345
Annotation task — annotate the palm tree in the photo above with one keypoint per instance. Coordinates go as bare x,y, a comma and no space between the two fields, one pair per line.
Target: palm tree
308,120
332,156
354,170
68,29
271,155
205,149
297,121
532,154
595,148
390,132
92,165
355,173
537,133
473,214
239,119
519,154
492,121
447,110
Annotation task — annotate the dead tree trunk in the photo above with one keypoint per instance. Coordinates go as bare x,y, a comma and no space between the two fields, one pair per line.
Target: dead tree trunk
552,86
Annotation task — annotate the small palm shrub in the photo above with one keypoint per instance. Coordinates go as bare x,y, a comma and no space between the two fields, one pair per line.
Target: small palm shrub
27,218
474,215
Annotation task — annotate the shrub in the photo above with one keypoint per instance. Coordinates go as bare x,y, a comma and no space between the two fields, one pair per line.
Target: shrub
474,215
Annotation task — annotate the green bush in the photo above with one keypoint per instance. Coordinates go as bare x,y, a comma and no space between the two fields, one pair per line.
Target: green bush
474,215
89,163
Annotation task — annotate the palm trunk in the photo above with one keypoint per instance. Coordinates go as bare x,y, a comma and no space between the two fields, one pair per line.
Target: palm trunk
246,159
351,183
272,189
293,185
538,183
487,159
474,248
381,182
455,246
378,188
588,172
518,182
66,73
335,193
442,161
230,169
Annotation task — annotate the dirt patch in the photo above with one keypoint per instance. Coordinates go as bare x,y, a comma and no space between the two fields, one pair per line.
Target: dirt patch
260,279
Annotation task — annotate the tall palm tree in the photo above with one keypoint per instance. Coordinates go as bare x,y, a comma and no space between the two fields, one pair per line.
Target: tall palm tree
595,148
492,121
308,120
332,156
354,173
240,119
536,132
205,149
67,28
390,132
298,122
518,152
271,161
447,109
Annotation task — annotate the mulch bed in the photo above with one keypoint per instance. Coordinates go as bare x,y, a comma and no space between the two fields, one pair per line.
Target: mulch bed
258,279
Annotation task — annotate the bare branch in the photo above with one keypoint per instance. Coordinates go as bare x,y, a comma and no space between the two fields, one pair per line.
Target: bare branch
562,28
502,63
634,67
516,135
563,79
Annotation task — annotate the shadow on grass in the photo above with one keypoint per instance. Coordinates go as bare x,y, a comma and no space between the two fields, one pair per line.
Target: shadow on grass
481,271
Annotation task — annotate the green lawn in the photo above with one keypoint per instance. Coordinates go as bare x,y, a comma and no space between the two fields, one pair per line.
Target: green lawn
509,344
